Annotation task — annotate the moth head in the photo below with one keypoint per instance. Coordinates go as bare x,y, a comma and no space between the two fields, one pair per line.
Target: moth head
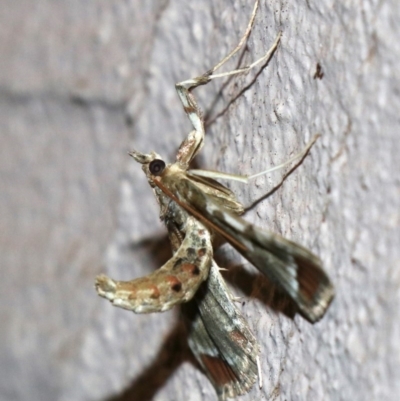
153,164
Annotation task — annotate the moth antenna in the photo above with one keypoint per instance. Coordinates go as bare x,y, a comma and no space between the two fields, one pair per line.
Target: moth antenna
246,178
299,155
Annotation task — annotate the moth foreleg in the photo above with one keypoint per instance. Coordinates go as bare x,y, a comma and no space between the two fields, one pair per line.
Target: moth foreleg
175,282
191,146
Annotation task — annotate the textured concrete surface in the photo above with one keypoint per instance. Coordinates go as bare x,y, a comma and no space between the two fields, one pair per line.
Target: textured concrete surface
81,83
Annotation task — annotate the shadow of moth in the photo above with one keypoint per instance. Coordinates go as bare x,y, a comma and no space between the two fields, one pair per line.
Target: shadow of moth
196,209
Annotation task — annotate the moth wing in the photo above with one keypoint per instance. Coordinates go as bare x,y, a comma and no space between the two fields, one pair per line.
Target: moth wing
174,283
294,268
218,193
221,340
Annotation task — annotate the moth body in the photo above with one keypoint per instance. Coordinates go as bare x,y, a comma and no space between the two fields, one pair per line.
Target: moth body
198,211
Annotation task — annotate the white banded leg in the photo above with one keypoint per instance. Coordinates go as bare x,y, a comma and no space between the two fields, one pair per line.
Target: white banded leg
192,145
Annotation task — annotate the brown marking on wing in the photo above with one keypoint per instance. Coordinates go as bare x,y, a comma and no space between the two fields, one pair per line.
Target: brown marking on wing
133,294
238,338
313,283
156,292
309,283
201,252
174,283
191,269
220,372
145,286
189,109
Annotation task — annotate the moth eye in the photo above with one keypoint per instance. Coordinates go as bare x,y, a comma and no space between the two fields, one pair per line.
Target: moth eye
157,166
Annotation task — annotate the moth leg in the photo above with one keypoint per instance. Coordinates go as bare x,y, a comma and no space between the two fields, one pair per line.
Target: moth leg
247,68
175,282
238,300
192,145
246,178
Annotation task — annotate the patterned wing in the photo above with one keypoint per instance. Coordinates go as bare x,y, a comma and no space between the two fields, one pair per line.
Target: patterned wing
220,338
175,282
294,268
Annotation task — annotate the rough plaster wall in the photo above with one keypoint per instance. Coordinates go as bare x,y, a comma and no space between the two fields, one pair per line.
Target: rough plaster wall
83,82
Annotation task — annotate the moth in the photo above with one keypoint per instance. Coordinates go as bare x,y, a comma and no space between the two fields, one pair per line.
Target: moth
199,211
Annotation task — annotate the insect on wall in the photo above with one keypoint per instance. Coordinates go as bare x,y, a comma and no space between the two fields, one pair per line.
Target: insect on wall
196,210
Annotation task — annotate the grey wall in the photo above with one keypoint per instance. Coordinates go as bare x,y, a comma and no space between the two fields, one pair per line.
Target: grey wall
81,83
